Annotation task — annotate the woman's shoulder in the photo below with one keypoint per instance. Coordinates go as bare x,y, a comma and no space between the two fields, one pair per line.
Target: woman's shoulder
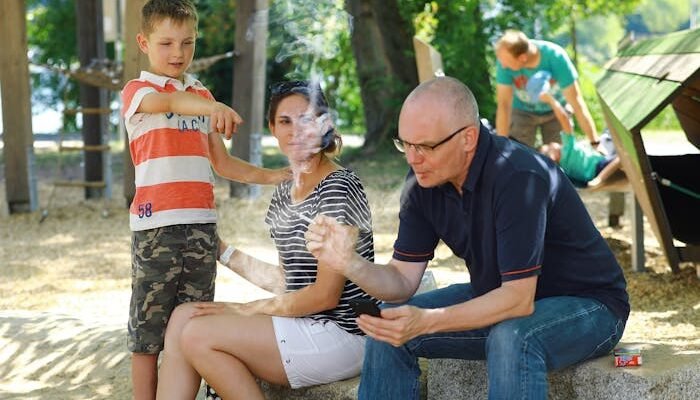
341,175
341,178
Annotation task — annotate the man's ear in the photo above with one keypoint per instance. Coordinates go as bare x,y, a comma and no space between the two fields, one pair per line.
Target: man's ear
471,137
142,40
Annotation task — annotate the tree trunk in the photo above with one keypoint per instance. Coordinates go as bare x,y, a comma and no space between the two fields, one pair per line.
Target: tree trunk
94,130
574,43
386,68
134,62
18,149
249,68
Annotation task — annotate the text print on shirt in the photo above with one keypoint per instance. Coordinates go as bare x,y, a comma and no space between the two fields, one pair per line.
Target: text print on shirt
189,123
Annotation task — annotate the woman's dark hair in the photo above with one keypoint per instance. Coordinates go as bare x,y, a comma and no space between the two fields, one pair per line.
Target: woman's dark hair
331,142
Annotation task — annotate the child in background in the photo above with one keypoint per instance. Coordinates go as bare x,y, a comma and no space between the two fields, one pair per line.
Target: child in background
174,126
583,164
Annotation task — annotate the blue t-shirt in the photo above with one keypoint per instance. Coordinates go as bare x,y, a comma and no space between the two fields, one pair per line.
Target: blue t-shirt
554,60
518,216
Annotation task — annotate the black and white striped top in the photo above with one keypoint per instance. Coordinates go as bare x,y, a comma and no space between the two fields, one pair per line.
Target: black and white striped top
340,195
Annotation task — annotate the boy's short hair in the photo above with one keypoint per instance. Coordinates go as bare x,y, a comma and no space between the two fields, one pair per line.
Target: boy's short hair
177,10
514,41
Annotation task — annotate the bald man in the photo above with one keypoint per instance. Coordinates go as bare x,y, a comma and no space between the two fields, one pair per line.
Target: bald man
545,290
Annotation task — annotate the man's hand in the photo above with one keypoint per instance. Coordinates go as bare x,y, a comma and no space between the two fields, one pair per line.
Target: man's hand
396,326
224,120
332,243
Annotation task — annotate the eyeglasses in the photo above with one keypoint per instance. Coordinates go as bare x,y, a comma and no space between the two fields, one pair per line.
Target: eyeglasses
425,149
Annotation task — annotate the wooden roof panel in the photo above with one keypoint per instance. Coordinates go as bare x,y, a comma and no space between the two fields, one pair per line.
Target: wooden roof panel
635,99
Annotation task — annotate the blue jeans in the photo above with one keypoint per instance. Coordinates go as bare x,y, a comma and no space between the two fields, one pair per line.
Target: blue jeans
519,352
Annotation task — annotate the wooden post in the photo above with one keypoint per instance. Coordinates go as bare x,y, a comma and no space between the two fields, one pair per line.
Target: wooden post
428,60
18,150
95,129
134,63
249,68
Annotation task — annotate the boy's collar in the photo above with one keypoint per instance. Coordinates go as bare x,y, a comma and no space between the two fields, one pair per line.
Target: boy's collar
161,80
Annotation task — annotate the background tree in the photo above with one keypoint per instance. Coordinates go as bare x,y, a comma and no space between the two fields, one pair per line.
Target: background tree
383,47
52,40
661,16
462,38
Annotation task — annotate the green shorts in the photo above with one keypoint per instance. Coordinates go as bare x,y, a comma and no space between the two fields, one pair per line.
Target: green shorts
169,266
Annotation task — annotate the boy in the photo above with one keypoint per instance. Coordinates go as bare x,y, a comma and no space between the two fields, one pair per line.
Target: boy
173,124
579,160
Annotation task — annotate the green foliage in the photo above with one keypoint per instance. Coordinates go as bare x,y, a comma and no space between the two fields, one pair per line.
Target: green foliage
426,23
217,27
598,37
665,121
589,74
461,38
662,16
52,40
311,40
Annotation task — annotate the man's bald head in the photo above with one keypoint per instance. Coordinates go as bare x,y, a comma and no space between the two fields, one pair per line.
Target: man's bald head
444,97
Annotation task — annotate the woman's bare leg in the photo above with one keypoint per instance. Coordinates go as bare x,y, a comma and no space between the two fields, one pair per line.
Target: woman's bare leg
177,379
229,351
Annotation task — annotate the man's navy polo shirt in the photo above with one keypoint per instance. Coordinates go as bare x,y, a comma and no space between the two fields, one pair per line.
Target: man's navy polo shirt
518,216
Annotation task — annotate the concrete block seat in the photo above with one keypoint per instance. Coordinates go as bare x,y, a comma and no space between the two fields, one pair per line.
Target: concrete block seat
666,374
341,390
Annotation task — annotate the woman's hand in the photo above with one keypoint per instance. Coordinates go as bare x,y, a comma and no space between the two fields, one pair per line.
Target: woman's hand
220,308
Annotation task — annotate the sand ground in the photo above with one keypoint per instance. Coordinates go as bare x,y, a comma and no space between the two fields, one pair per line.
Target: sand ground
65,286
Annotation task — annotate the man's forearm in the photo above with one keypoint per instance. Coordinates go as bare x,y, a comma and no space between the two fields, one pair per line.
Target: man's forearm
383,282
587,126
506,302
502,121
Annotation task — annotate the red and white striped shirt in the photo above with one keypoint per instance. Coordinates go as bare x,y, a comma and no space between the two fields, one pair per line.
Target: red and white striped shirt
174,180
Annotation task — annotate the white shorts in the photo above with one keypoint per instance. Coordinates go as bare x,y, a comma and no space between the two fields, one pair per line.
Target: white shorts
316,352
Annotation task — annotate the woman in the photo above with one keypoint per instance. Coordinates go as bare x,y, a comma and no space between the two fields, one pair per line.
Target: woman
307,334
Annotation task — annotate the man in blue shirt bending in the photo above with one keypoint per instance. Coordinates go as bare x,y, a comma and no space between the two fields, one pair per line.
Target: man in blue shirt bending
520,63
545,289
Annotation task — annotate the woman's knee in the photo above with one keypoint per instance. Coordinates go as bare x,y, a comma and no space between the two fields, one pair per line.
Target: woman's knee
195,337
179,317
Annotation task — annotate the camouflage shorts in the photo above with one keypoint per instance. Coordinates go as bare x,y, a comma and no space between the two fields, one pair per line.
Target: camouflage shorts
169,266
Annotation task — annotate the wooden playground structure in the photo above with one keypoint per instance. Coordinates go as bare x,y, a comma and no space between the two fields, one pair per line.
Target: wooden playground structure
95,83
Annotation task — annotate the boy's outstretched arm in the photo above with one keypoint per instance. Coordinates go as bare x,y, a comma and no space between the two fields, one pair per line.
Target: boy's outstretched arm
605,173
559,111
235,169
223,119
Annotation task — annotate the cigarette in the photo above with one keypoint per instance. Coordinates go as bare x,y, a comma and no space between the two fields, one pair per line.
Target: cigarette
305,218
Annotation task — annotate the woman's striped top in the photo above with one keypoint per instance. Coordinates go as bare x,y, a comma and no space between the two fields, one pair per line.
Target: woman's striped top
341,196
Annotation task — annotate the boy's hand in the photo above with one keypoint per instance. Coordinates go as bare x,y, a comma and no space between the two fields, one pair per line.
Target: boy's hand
547,97
224,120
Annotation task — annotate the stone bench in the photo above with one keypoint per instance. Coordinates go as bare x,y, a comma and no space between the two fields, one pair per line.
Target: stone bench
667,373
341,390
